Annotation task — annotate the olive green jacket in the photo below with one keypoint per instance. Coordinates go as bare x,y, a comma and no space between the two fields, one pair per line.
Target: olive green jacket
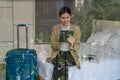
56,45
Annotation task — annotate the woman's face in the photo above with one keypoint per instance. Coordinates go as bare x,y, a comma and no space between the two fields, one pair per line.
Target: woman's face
65,19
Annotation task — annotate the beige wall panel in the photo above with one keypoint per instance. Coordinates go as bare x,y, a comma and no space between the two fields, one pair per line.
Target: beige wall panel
23,11
6,28
5,3
6,31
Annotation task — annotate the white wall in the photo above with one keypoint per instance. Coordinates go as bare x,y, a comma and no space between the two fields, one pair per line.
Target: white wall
13,12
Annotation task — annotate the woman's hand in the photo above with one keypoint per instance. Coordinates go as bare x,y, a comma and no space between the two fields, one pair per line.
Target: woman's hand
79,67
71,40
49,59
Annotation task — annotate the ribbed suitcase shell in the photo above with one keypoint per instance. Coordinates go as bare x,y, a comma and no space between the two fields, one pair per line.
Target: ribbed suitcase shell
21,64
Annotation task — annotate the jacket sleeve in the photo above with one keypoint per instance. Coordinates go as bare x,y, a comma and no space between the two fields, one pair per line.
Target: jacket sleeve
77,36
55,45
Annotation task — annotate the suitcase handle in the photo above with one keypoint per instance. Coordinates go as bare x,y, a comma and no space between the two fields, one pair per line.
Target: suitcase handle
22,25
18,26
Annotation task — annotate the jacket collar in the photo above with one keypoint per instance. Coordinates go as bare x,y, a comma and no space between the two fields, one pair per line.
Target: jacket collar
70,26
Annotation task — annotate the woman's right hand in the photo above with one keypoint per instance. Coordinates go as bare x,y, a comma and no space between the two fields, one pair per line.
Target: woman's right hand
71,40
49,59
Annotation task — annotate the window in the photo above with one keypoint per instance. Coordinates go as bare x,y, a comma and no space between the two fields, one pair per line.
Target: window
46,15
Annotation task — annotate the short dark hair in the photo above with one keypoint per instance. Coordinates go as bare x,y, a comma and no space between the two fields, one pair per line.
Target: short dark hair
64,10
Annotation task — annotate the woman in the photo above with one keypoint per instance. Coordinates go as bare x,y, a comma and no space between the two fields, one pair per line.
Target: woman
64,54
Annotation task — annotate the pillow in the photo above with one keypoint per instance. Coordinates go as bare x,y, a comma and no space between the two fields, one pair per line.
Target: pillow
99,38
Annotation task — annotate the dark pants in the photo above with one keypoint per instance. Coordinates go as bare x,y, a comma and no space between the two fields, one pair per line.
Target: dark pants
61,63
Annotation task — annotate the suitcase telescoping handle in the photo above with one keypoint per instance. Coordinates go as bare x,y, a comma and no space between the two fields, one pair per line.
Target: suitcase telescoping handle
18,40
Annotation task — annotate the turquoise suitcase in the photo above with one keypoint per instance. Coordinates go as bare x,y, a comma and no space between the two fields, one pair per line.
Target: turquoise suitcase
21,63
